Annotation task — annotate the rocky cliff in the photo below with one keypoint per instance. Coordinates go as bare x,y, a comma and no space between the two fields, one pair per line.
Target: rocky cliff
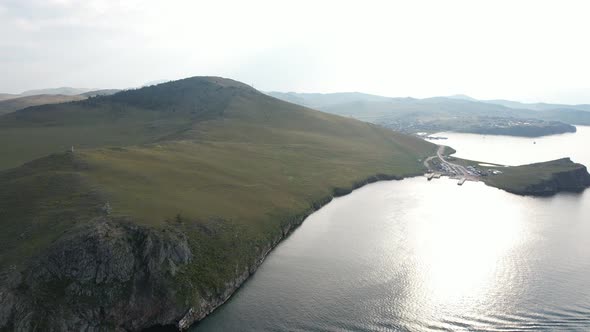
575,180
542,179
105,275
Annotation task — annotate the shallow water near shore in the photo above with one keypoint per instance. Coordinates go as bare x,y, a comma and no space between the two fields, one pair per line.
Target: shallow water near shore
424,255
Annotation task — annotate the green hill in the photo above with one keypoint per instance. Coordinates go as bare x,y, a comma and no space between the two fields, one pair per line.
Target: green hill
173,196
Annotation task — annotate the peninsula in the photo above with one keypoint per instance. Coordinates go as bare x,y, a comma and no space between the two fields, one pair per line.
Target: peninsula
538,179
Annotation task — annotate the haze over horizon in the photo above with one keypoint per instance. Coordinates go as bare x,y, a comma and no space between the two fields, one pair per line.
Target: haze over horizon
528,51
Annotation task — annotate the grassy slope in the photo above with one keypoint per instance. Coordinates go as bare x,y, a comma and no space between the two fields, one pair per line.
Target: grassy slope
288,165
35,132
127,118
236,174
11,105
38,202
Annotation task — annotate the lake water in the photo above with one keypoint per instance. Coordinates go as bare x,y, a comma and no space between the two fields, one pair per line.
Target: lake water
508,150
422,255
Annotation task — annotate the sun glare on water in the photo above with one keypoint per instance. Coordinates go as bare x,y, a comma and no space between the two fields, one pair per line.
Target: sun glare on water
462,259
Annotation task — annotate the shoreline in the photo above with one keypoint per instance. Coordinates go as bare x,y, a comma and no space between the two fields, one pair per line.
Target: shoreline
183,316
193,316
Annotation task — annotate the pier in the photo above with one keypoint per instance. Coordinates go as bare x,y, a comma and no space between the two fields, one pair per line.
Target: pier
431,176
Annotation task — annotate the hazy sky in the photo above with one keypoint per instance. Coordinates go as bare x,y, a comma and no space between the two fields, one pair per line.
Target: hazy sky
519,49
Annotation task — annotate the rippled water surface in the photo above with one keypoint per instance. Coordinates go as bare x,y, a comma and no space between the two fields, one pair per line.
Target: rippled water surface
430,256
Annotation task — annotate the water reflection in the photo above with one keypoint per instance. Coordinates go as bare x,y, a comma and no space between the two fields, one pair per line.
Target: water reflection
464,252
425,256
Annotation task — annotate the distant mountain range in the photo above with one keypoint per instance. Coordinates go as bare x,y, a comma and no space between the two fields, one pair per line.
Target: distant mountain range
454,113
66,91
462,97
528,106
13,102
10,102
538,106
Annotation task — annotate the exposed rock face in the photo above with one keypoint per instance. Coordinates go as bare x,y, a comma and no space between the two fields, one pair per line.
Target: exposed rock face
196,313
112,275
575,180
542,179
107,272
